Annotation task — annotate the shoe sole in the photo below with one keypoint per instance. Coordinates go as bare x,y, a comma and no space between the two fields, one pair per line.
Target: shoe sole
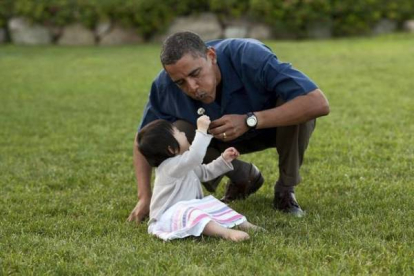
258,183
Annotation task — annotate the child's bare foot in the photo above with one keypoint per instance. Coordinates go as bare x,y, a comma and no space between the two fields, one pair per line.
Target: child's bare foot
236,235
214,229
247,226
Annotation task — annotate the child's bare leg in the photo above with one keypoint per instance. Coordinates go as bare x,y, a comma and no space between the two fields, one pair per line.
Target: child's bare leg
214,229
246,226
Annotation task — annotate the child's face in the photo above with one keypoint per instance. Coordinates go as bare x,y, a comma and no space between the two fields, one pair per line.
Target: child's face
182,140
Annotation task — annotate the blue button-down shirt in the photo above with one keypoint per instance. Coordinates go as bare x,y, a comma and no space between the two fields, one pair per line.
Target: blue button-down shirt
252,80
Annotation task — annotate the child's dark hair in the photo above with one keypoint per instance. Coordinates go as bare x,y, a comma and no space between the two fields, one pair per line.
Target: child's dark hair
156,140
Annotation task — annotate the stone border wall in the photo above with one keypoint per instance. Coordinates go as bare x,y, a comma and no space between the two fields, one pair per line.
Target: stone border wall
21,32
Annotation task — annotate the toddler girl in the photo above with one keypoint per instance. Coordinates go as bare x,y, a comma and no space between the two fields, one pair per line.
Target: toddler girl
178,208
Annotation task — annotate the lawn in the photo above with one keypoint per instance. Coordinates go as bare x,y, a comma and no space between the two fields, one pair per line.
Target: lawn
68,117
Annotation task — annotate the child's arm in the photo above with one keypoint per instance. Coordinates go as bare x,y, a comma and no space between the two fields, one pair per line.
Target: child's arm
192,158
221,165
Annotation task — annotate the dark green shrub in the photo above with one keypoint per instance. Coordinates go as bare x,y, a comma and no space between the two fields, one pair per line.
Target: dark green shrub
354,17
6,7
150,17
147,17
399,11
291,17
230,8
58,12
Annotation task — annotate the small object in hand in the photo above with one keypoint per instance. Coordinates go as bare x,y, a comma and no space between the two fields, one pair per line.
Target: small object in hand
201,111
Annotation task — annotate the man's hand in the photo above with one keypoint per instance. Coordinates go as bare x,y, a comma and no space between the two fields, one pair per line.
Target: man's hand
229,127
140,211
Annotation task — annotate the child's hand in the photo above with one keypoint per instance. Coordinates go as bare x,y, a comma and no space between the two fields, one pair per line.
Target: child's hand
203,122
230,154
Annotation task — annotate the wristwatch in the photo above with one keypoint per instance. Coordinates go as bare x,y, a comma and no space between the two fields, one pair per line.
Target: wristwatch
251,120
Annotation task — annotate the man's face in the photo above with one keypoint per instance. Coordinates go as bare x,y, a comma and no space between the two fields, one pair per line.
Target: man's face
197,77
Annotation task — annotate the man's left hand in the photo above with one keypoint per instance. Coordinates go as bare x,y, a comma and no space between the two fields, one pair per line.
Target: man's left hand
229,127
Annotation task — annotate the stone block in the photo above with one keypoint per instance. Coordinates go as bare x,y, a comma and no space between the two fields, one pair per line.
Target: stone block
236,28
206,25
119,36
102,28
319,30
235,32
260,31
76,34
384,26
22,32
409,26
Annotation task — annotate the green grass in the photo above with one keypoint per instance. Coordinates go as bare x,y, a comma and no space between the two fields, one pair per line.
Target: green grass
67,121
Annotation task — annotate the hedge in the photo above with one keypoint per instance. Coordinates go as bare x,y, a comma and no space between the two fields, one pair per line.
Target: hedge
347,17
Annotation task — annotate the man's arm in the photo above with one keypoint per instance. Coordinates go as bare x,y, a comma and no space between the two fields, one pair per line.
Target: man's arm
143,175
299,110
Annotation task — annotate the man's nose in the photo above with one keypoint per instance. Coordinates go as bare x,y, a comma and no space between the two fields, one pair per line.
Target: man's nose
193,86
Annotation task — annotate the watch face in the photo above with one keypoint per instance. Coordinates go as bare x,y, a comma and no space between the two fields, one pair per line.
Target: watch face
251,121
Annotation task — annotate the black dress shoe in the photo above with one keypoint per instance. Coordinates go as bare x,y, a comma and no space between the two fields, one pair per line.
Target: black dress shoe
286,202
243,189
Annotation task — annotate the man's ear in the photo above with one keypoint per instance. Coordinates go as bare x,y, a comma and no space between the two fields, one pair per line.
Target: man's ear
211,53
170,149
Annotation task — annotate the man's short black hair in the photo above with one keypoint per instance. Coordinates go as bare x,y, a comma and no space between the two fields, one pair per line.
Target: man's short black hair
180,44
156,140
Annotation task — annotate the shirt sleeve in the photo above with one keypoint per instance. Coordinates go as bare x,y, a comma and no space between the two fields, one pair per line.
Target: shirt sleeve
285,80
207,172
272,74
190,159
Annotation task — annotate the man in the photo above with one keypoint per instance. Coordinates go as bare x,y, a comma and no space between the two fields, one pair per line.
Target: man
255,102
